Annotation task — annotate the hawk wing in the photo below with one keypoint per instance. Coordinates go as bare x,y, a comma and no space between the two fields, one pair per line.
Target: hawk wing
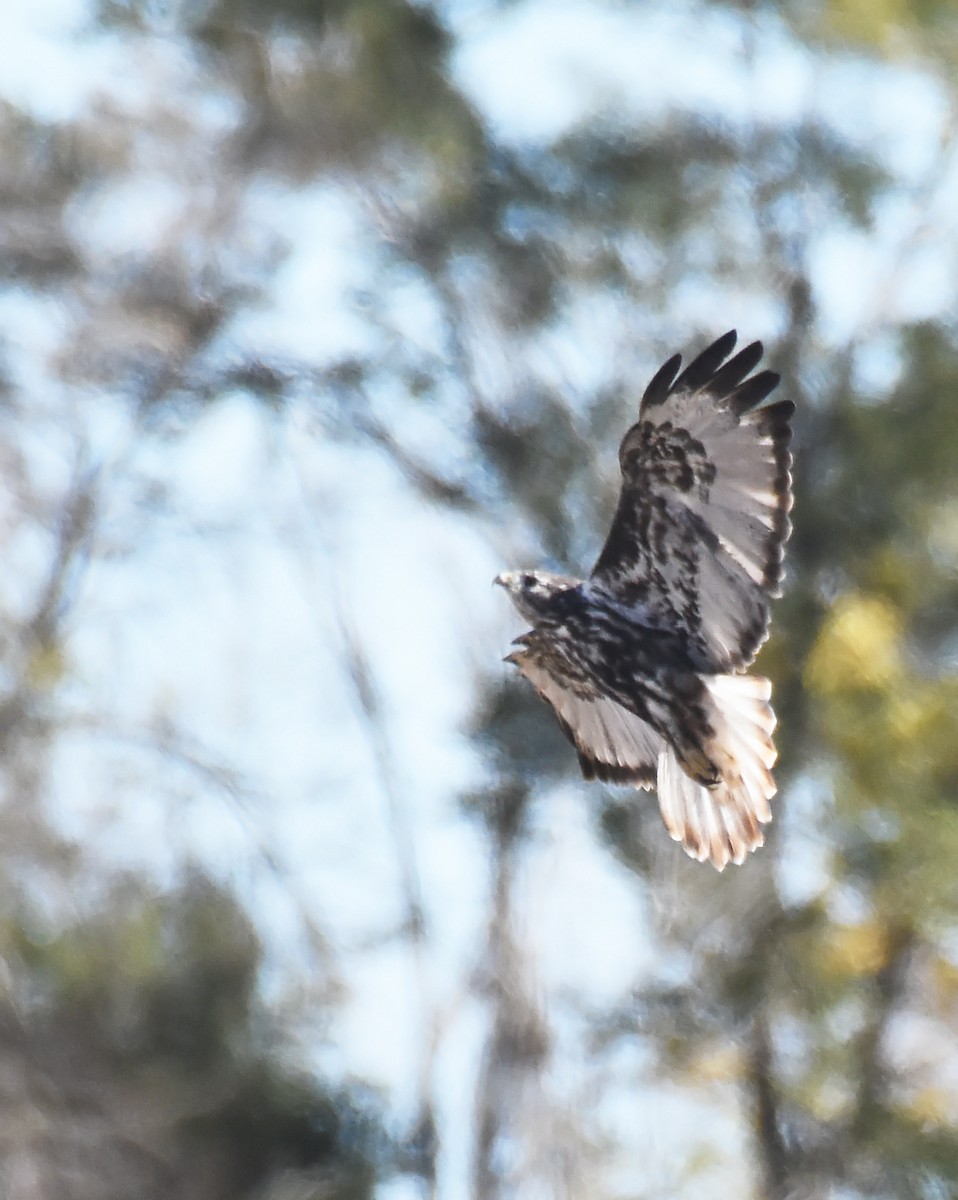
721,824
612,743
697,540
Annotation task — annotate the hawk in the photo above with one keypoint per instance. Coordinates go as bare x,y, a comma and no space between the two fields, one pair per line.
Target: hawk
644,662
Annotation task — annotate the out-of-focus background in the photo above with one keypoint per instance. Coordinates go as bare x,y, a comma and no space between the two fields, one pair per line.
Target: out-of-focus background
314,315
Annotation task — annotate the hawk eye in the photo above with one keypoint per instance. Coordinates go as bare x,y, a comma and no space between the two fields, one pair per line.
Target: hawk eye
528,581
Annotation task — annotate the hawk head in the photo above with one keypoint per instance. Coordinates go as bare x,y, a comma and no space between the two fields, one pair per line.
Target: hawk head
535,593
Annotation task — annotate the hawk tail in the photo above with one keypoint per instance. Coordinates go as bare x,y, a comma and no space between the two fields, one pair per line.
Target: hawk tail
724,823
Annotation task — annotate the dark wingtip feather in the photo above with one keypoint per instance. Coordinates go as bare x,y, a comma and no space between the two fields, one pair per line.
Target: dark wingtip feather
661,384
753,391
701,369
727,378
591,768
775,418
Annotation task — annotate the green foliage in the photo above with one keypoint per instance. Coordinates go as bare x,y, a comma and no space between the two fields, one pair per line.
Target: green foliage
148,1002
893,26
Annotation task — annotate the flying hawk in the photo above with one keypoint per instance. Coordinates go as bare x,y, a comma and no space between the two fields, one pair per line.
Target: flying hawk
644,662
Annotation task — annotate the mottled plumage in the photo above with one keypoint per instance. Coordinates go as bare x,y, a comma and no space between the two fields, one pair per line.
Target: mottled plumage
644,662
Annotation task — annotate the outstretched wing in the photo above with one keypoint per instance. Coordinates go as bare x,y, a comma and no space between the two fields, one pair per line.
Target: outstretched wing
612,743
697,540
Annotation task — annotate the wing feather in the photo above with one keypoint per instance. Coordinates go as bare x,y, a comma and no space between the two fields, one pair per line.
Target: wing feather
612,743
697,541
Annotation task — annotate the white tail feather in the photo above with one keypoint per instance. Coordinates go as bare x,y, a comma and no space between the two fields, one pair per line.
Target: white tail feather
724,823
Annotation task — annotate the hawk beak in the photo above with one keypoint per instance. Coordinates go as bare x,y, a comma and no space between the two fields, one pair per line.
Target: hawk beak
501,580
